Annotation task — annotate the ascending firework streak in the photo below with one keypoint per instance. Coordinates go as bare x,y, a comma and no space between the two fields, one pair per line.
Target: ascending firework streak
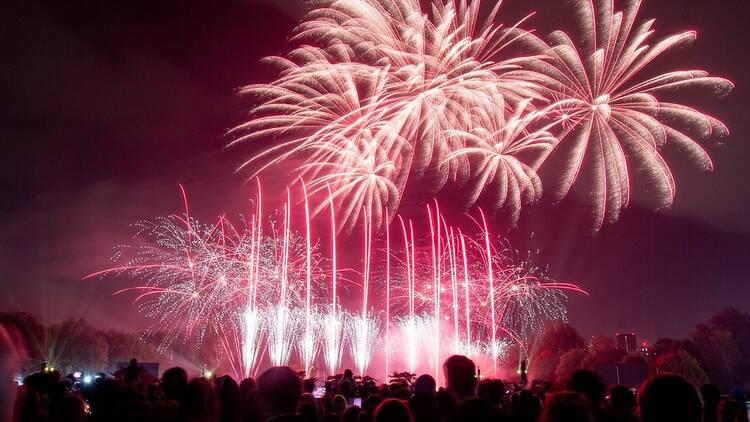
387,300
491,280
308,346
282,324
333,323
253,329
382,93
493,300
467,304
260,288
364,328
408,323
436,276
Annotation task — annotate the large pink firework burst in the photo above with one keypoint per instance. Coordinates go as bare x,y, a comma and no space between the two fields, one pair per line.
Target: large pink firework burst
332,114
609,116
496,145
387,92
368,102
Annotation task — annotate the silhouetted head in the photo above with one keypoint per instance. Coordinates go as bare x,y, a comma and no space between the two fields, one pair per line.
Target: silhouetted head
669,398
460,375
279,390
491,391
621,399
566,406
371,403
424,407
425,384
392,410
308,412
476,410
589,384
528,405
229,398
201,400
446,404
131,372
174,382
711,396
348,373
351,414
339,404
307,398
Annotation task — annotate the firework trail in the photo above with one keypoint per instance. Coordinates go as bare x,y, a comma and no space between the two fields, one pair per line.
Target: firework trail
235,282
474,293
333,339
363,332
283,329
253,331
333,322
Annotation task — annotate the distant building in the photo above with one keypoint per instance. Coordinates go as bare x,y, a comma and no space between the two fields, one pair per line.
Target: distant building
627,343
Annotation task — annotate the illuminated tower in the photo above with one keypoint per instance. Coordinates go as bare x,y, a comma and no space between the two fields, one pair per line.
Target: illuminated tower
627,342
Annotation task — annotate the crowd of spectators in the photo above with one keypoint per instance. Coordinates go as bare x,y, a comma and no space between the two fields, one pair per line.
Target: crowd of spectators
280,395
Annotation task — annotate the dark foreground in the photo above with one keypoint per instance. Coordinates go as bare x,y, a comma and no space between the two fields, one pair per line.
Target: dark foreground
279,394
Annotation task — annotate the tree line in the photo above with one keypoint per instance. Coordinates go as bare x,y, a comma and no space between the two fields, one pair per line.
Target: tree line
716,352
76,345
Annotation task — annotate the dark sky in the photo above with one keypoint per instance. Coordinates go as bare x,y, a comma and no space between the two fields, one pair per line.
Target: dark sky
108,105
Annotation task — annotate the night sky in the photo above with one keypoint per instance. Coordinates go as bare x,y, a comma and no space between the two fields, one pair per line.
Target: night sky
108,105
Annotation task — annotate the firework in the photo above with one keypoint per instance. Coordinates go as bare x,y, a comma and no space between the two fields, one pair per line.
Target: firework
384,92
333,322
235,282
472,293
609,118
363,332
263,292
253,331
368,99
350,147
494,144
333,339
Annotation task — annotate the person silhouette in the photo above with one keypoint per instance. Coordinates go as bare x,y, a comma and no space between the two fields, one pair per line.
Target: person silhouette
279,389
669,398
460,376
